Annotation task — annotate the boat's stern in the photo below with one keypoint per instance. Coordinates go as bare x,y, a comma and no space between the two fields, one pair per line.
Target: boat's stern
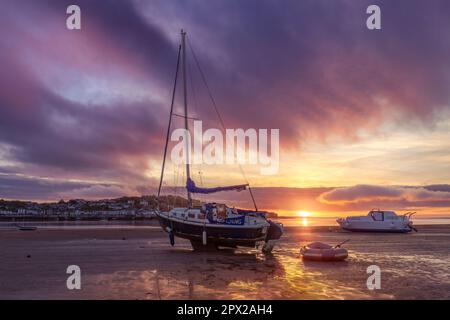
275,230
341,221
274,233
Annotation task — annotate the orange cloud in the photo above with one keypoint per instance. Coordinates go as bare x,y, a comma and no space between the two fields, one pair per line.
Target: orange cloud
370,193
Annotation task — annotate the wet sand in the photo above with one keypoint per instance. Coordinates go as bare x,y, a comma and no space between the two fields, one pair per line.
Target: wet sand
138,263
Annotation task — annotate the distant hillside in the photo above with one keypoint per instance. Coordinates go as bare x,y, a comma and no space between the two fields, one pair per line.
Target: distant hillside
130,204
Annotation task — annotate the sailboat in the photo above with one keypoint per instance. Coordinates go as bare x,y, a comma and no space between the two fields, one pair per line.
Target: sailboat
212,225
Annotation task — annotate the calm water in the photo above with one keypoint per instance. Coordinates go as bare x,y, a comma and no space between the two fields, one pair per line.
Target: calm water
331,221
287,221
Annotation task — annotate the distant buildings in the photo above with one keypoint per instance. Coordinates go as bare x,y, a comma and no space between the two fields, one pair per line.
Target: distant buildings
125,208
78,209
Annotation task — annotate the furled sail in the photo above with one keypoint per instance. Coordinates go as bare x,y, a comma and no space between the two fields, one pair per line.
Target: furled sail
191,187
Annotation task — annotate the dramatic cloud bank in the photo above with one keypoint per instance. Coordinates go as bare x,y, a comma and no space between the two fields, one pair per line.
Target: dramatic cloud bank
368,193
91,105
15,186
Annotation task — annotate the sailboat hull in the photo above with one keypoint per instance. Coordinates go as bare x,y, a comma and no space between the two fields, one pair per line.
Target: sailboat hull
227,236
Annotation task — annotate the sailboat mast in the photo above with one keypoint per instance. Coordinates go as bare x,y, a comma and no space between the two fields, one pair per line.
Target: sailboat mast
170,123
186,124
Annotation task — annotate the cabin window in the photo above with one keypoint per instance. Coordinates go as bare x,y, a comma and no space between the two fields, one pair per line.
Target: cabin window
201,216
378,216
191,215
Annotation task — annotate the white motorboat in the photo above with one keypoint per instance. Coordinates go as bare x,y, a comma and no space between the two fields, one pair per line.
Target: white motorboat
378,221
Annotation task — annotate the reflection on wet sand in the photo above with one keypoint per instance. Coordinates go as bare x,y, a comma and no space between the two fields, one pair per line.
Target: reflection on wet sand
140,264
225,274
243,275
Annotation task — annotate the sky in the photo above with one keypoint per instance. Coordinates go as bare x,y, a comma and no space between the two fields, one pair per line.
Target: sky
364,115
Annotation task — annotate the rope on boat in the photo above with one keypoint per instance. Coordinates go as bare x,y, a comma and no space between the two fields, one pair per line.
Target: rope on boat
219,115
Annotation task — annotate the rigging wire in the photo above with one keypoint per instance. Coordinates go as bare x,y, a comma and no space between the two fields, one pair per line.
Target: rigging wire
170,122
218,113
195,104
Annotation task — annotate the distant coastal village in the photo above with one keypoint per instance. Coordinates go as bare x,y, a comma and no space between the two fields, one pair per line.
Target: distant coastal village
124,208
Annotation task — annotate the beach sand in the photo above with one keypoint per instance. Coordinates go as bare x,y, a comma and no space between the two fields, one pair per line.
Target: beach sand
139,263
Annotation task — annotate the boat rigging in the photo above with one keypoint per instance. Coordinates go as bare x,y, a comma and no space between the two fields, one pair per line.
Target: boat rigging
212,224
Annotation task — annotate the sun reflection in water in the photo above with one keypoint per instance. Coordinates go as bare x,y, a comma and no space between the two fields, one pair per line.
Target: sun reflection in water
304,222
304,218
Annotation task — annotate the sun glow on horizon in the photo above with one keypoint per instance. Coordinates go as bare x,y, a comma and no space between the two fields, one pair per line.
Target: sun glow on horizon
304,214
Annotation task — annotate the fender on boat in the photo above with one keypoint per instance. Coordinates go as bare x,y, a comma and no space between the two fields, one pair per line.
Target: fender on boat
275,231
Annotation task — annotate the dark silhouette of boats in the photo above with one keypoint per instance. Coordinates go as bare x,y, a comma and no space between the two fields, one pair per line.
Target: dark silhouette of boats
26,228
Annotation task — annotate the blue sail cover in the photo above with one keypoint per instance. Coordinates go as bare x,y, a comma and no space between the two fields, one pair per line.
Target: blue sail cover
191,187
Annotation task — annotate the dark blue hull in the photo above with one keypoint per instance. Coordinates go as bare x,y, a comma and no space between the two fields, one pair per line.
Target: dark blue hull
227,236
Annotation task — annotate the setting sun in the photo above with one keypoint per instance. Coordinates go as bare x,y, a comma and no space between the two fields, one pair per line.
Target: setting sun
303,214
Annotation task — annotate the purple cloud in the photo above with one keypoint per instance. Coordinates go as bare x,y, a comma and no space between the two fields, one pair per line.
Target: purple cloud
365,194
93,104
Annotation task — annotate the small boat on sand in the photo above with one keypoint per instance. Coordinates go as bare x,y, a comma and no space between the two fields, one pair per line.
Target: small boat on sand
378,221
318,251
26,228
